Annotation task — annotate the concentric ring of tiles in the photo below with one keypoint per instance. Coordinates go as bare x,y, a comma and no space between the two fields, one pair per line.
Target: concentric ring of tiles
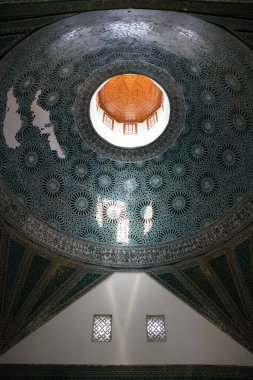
112,203
102,147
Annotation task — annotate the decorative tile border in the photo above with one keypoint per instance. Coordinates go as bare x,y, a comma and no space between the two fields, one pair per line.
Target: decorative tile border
217,285
26,307
155,372
162,143
179,212
126,257
225,8
212,372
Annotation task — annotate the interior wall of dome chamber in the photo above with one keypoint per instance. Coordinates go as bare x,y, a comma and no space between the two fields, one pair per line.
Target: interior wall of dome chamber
184,187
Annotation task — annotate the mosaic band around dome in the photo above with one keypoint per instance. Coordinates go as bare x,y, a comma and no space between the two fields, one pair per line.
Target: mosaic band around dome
105,149
112,207
125,257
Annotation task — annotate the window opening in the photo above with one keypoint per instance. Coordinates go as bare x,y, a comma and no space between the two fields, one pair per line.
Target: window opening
130,129
108,121
102,328
156,331
152,120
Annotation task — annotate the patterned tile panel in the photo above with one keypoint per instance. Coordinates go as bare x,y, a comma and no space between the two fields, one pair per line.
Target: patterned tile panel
13,31
200,278
195,183
1,233
38,284
7,42
218,285
227,289
126,372
38,266
170,280
85,282
222,269
60,276
226,8
15,256
247,37
243,254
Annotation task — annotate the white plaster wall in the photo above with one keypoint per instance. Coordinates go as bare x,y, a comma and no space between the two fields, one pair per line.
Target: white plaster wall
66,339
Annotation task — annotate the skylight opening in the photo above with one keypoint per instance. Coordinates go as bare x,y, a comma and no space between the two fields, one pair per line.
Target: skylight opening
130,110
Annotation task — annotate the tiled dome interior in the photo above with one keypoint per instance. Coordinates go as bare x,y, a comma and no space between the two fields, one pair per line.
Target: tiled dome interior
63,182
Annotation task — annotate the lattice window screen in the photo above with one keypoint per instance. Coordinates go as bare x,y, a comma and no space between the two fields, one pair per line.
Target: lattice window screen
156,331
108,121
102,328
152,120
130,129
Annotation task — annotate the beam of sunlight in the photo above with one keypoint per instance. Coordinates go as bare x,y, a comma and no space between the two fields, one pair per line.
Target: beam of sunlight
148,215
122,331
123,231
99,212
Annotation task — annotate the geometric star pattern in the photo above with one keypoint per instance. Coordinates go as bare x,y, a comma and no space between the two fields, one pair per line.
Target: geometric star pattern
102,328
156,331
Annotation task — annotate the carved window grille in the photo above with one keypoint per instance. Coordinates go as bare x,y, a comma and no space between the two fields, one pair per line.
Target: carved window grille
152,120
102,328
156,331
130,129
108,121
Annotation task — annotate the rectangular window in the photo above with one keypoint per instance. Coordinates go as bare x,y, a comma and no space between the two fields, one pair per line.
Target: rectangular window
156,331
130,129
102,328
152,120
108,121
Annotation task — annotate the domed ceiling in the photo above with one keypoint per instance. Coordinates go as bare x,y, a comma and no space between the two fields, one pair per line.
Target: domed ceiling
64,186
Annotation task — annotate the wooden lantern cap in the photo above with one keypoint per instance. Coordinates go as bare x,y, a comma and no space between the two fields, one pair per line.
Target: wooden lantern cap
130,98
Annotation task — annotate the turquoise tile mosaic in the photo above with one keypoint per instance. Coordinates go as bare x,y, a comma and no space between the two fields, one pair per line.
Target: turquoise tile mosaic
38,266
60,276
243,254
186,207
87,280
172,281
109,199
35,285
125,372
217,285
15,256
222,269
200,279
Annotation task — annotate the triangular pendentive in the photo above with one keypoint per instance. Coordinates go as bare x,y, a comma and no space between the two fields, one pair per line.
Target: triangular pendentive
219,285
128,298
36,285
